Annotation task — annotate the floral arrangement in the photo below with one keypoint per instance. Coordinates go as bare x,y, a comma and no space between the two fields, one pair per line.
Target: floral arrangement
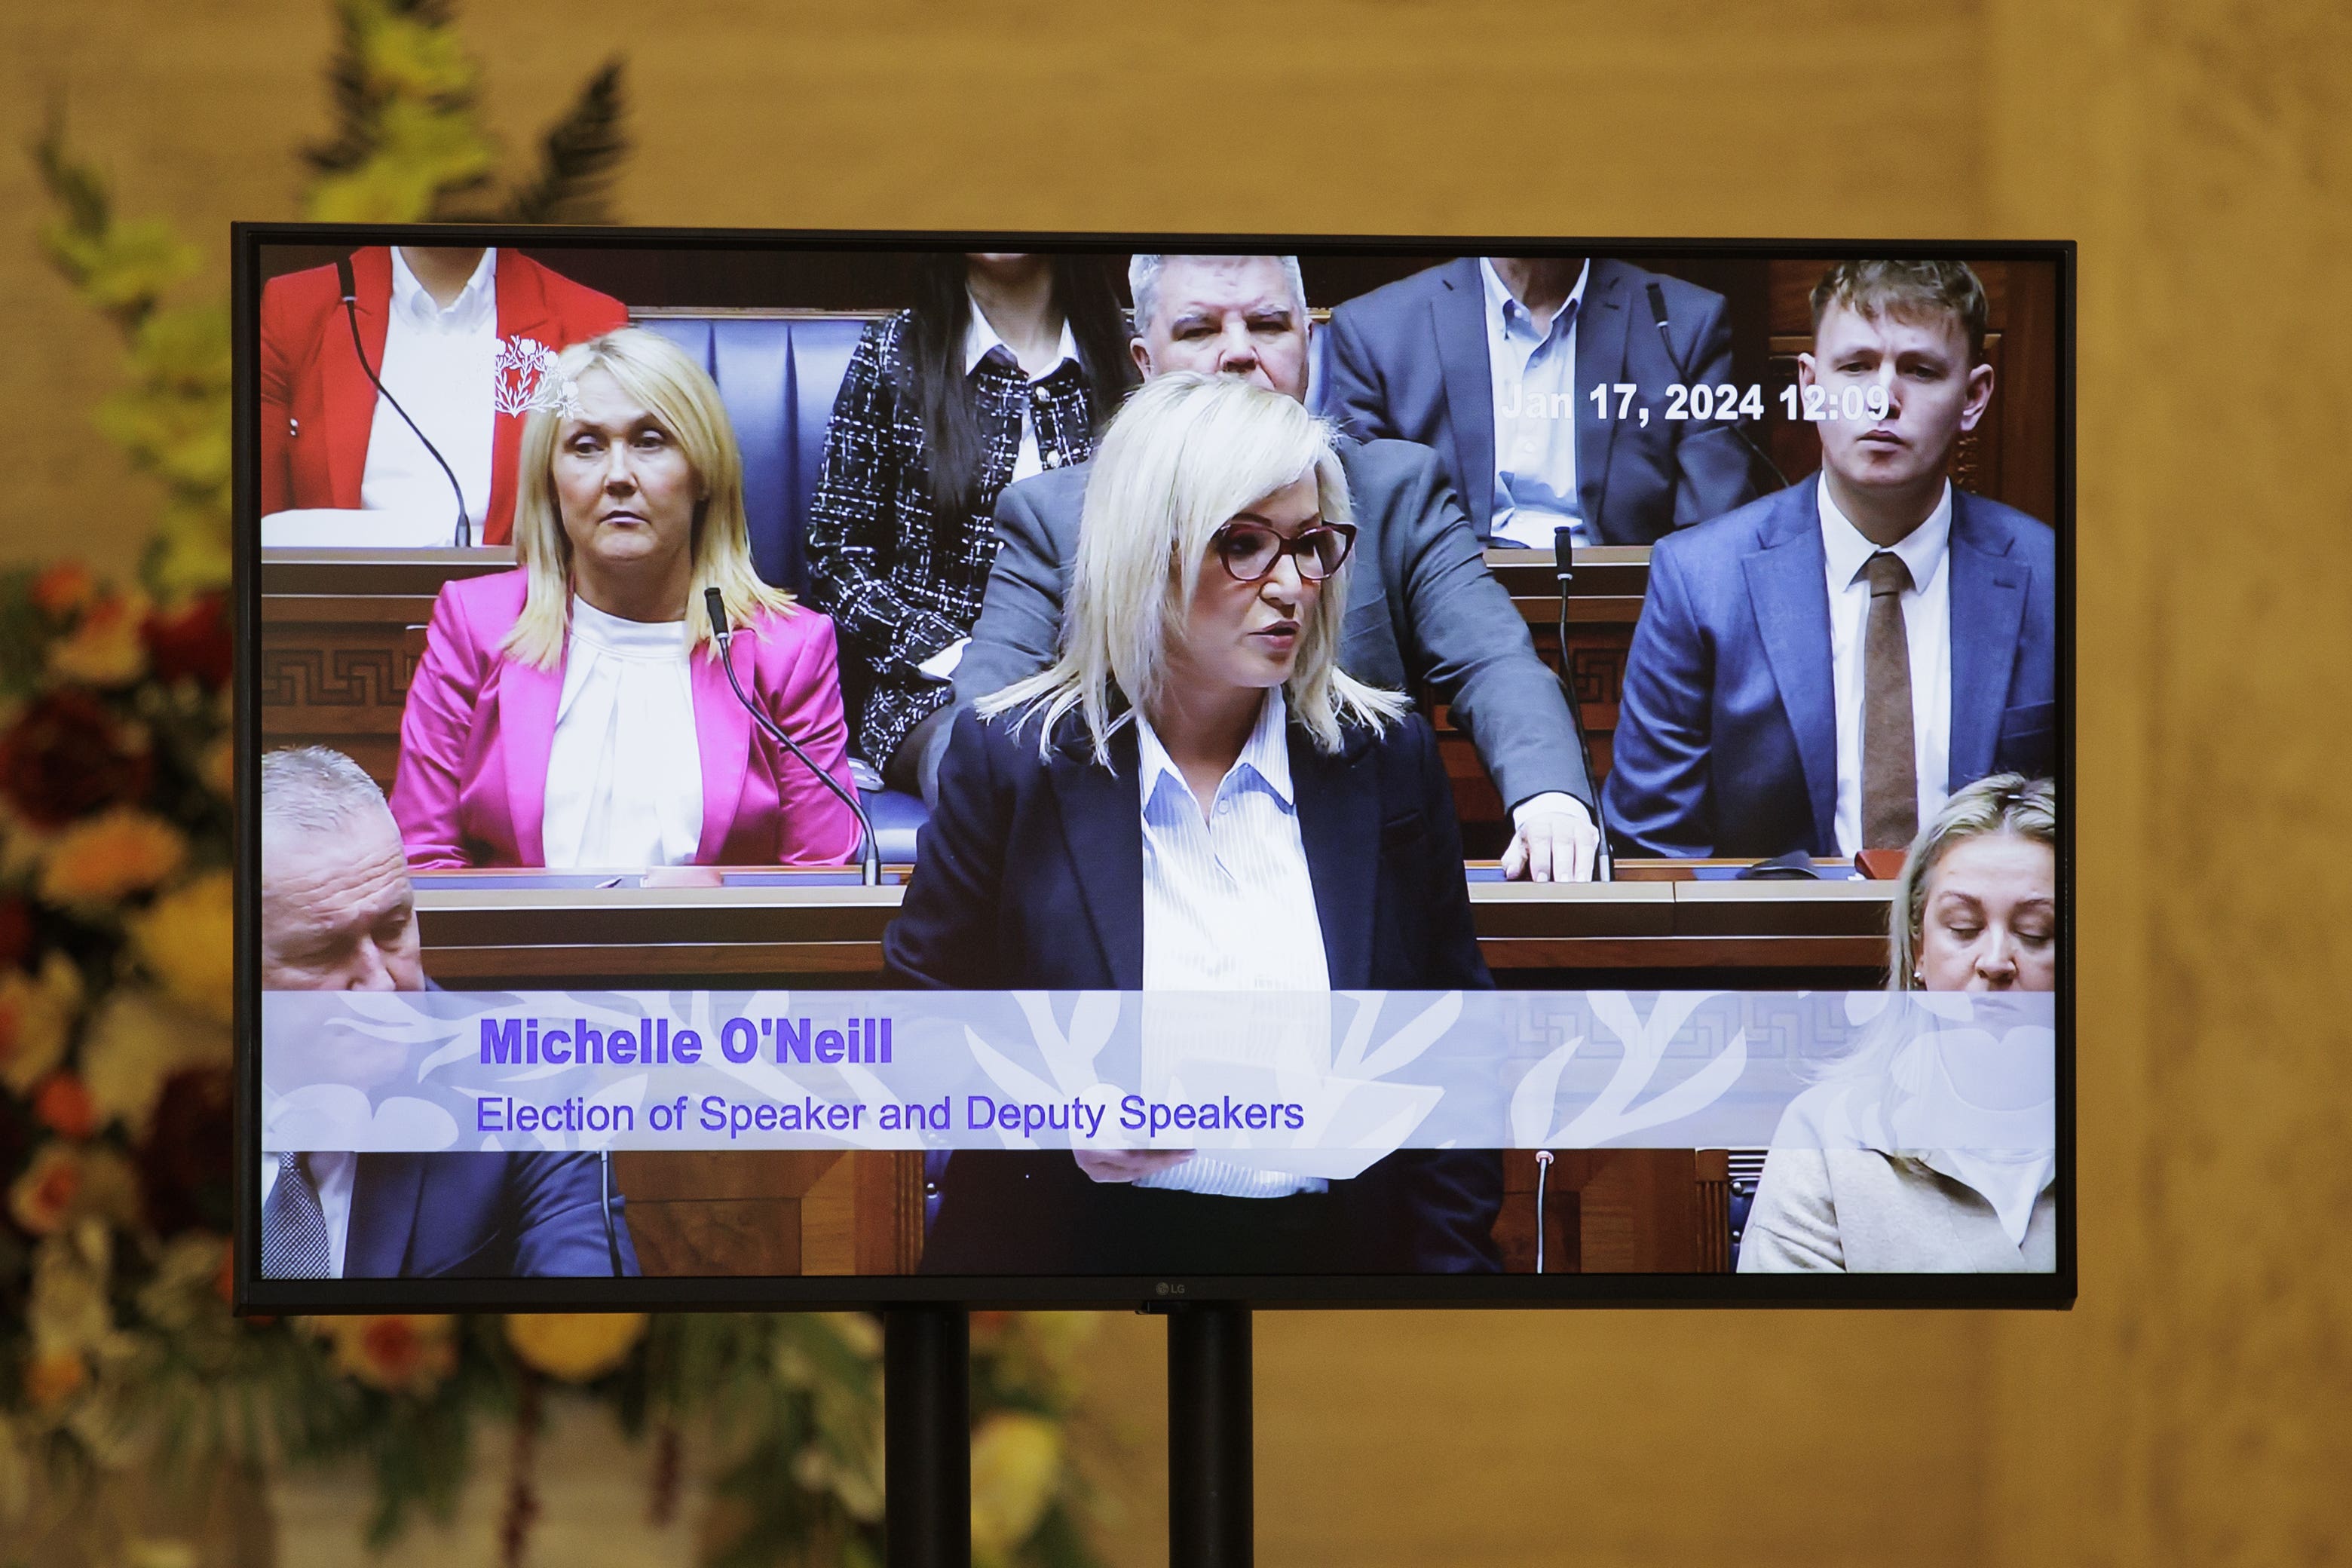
118,1353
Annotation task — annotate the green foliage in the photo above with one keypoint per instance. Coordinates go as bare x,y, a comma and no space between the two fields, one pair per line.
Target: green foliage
171,419
577,158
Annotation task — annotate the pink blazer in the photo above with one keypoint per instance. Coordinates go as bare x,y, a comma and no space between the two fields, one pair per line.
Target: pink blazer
471,789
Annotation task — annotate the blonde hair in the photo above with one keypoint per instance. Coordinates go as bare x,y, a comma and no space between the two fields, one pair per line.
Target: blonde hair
658,376
2000,803
1185,455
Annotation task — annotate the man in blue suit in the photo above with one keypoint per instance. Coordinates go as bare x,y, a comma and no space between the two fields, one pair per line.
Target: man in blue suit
1492,362
338,914
1819,670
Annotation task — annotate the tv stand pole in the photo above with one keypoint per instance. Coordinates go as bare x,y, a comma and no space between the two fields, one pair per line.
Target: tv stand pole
1211,1484
927,1436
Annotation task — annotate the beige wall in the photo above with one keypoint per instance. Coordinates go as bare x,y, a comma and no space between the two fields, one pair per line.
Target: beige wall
2192,1410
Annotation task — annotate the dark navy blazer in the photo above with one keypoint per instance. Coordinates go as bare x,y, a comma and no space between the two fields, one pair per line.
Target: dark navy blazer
1030,875
1408,361
1726,731
484,1215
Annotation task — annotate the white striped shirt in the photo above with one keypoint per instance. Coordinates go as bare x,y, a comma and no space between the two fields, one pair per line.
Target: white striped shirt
1228,905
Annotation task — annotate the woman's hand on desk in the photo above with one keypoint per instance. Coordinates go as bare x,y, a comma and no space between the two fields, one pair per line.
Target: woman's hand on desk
1128,1165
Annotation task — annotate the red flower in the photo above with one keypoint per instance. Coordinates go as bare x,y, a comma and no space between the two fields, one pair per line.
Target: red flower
65,757
192,641
184,1169
63,1106
15,930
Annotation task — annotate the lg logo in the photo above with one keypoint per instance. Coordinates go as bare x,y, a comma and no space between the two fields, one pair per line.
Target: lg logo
1168,1290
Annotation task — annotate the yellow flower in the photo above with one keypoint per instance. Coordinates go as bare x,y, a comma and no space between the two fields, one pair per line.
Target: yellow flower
1017,1461
400,1353
104,859
36,1016
185,941
135,1042
578,1347
104,648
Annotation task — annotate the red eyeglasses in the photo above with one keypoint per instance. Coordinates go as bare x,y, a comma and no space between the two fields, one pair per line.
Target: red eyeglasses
1249,549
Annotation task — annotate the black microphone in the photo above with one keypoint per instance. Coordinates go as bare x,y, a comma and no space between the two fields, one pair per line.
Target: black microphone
352,313
869,847
1604,864
1665,333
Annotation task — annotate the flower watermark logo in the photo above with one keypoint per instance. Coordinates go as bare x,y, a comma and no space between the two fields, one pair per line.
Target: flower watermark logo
524,379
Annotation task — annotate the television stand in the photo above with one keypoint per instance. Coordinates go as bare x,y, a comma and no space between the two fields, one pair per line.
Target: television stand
927,1435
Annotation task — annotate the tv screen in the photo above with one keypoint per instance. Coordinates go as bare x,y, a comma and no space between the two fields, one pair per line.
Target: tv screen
789,769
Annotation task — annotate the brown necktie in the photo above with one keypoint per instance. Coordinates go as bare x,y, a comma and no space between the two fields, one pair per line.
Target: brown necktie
1890,773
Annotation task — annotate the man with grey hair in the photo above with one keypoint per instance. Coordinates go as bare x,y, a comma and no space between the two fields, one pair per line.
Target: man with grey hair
337,911
1421,607
338,914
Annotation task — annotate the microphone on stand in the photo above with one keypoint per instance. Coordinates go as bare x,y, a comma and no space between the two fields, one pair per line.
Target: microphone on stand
352,313
1604,864
1543,1169
1665,335
869,856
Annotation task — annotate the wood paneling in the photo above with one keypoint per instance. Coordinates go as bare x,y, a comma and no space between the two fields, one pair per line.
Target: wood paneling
768,1211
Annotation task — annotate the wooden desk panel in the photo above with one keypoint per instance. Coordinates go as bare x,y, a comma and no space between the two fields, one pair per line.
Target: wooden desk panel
489,938
773,1211
341,631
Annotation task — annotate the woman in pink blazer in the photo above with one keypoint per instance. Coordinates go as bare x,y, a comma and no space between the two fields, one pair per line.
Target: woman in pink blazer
573,712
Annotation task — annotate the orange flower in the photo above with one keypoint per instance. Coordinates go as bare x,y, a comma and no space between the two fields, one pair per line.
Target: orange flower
63,1106
105,646
105,858
400,1353
64,588
53,1377
44,1196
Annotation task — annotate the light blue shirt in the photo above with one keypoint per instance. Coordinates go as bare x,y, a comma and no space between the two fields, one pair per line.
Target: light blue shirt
1534,376
1228,905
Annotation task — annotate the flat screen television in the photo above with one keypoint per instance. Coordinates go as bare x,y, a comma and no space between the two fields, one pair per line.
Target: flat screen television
788,769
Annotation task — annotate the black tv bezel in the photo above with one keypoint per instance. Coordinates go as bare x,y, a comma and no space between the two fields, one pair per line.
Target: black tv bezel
252,1294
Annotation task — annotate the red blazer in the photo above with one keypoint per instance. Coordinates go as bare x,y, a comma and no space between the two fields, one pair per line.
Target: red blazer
318,406
471,789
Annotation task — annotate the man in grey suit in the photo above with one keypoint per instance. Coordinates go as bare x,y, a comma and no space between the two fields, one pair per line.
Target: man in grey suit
1492,360
1421,607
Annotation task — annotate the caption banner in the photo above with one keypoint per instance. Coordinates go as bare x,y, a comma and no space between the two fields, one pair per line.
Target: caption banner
1314,1083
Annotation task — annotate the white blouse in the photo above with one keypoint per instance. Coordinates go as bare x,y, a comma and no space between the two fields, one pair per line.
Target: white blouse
625,773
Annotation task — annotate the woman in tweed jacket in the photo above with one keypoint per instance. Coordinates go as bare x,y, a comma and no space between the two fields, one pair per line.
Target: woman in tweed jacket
1005,366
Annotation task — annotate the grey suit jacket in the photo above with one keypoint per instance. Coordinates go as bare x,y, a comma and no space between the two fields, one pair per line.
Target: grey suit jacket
1409,362
1422,607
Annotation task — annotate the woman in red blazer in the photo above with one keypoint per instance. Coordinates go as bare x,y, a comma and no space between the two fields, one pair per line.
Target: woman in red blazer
572,711
318,406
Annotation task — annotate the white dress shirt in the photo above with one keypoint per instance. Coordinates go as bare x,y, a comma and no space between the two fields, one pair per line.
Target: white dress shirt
980,340
439,364
331,1173
625,773
1927,627
1228,905
1534,376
